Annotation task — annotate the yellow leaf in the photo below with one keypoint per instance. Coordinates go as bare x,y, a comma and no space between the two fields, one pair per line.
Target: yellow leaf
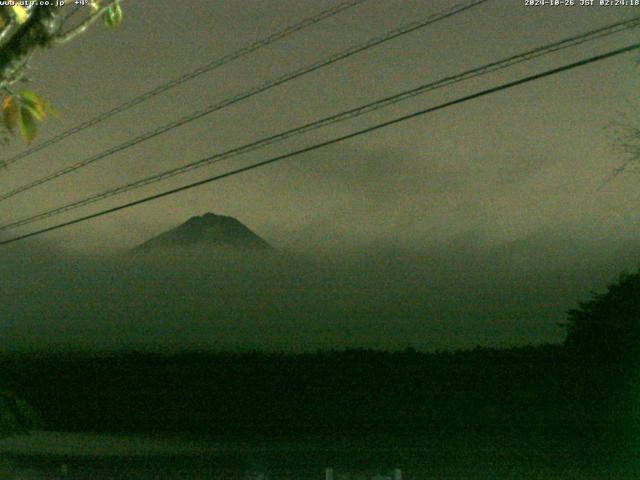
21,13
10,113
37,114
33,101
28,125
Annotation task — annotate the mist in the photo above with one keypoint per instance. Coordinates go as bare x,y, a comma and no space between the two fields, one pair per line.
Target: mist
449,295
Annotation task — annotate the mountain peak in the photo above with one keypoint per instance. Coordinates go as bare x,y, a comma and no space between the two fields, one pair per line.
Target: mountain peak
211,219
207,230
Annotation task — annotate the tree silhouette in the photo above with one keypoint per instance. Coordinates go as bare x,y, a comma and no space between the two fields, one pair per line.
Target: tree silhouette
607,327
16,416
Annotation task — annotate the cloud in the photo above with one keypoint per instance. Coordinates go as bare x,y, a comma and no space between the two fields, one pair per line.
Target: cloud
450,295
355,195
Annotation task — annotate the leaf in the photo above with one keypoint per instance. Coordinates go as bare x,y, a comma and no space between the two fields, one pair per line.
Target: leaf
113,15
28,125
35,103
10,113
31,96
38,117
20,13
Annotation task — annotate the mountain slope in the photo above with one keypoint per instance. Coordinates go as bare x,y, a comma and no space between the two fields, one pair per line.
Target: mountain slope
207,230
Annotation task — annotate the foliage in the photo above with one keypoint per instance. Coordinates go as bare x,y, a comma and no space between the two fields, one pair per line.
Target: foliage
22,112
607,326
352,390
16,416
23,29
113,16
327,393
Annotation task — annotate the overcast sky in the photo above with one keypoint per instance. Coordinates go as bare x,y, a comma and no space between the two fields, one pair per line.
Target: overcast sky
511,178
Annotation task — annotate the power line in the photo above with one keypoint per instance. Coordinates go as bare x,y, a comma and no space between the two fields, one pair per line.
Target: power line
214,64
411,27
339,117
333,141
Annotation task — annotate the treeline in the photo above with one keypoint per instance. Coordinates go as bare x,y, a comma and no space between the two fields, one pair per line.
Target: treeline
335,392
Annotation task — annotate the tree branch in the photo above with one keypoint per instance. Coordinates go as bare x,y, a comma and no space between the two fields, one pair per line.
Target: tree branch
8,31
35,32
79,29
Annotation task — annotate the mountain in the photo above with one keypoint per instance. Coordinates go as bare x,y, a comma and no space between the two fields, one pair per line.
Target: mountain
207,230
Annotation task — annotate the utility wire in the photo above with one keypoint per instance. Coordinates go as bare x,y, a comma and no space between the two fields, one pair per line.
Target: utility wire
411,27
333,141
342,116
218,62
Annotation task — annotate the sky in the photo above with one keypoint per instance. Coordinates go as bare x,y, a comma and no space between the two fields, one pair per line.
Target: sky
487,215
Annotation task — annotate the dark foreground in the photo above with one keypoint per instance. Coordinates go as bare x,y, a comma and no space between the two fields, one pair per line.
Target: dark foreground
486,460
538,413
355,393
